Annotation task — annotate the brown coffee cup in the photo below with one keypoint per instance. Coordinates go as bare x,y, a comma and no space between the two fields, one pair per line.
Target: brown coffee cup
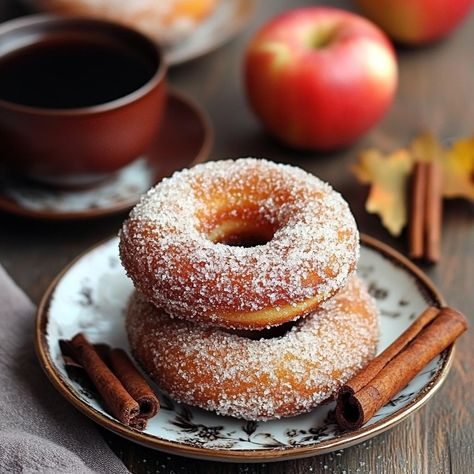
76,144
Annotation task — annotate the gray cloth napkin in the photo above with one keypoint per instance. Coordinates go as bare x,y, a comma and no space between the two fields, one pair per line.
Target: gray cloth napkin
39,431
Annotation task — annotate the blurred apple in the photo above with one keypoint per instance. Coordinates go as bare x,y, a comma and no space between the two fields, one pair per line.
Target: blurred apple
318,78
415,22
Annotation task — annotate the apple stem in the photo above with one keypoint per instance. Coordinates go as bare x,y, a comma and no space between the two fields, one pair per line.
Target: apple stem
323,37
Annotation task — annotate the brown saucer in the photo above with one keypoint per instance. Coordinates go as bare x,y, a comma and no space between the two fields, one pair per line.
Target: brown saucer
184,139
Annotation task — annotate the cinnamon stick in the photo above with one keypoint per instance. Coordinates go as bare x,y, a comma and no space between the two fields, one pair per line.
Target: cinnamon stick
73,366
134,383
418,208
70,356
139,423
376,384
118,400
433,212
124,369
373,368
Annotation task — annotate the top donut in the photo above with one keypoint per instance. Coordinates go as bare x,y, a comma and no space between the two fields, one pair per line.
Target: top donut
185,245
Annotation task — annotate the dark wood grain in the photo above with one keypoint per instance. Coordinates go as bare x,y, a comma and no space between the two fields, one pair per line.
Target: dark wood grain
436,93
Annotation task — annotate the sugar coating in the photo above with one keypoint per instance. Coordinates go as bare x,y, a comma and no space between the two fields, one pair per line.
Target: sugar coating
166,249
257,379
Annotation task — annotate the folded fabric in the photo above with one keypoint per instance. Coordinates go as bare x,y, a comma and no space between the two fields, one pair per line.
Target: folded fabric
39,431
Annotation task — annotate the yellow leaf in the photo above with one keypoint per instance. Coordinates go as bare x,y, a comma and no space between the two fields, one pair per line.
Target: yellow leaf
426,147
458,170
388,177
457,163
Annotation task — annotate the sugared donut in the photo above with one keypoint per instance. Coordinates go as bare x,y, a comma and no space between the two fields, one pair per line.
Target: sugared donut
176,244
257,379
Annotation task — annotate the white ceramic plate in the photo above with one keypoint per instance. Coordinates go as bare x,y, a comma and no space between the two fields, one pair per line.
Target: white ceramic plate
90,296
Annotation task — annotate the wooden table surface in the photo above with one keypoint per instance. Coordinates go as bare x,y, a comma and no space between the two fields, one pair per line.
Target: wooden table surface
436,92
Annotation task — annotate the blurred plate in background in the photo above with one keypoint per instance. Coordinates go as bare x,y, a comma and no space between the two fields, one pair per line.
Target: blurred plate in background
228,19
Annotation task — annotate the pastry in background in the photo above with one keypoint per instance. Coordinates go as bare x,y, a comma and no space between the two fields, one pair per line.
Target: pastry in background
167,21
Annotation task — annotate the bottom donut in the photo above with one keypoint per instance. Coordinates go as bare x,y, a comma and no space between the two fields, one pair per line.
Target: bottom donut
259,375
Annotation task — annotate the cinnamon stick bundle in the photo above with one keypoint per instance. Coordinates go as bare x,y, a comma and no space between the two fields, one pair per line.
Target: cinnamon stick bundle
376,384
117,399
426,211
124,390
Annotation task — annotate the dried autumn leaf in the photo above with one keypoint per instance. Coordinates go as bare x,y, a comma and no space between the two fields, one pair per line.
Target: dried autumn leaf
426,147
458,170
457,163
388,177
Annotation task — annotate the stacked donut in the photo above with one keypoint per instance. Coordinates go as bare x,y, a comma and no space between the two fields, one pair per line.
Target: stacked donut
247,301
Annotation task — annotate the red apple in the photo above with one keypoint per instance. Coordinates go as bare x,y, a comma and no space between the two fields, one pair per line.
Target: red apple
318,78
416,22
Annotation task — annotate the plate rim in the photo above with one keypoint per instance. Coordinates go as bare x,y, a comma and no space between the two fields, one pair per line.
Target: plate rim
244,455
249,7
9,205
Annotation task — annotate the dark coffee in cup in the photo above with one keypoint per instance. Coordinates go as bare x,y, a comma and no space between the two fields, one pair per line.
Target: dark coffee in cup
79,98
72,71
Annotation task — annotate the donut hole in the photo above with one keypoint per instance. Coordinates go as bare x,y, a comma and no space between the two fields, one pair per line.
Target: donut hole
242,232
268,333
244,240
